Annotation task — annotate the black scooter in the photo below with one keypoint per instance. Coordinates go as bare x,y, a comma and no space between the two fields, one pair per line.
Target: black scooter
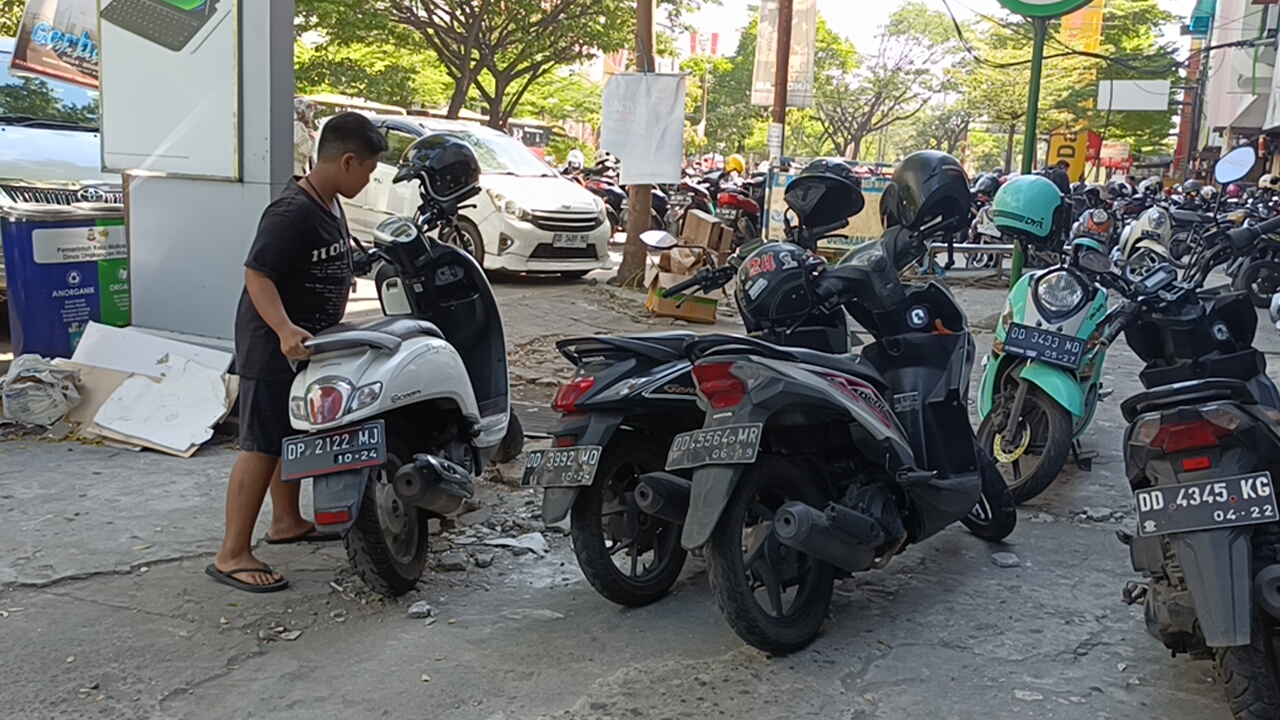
1199,450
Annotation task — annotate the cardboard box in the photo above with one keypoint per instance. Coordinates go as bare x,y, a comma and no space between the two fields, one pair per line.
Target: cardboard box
701,229
724,241
699,308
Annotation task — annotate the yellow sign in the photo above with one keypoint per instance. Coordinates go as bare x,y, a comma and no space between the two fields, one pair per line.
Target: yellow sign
1082,29
1071,146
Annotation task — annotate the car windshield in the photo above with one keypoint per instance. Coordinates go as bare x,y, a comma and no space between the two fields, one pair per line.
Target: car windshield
503,155
26,100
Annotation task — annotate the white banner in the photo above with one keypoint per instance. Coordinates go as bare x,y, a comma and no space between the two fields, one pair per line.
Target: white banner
804,37
642,122
170,77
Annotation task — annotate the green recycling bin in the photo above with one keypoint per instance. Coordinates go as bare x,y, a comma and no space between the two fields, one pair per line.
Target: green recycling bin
64,266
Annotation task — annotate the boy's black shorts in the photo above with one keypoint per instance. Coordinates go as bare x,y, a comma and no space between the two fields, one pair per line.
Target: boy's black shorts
264,415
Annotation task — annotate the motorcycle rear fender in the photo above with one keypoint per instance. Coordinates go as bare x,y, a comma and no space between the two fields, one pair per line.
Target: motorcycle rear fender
714,484
1057,383
595,428
336,492
1219,573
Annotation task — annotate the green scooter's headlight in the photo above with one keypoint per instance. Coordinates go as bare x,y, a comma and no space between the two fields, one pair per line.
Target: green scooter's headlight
1059,292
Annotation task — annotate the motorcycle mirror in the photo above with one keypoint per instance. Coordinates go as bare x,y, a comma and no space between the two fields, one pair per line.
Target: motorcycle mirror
1094,261
1235,165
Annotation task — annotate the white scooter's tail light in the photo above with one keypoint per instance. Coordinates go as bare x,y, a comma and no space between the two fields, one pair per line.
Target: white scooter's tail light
298,408
365,396
327,400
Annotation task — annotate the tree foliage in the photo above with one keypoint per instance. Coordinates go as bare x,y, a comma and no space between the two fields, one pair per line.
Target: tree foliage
11,17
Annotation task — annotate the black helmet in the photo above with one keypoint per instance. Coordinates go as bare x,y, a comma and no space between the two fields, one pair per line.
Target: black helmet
447,167
1192,187
931,185
773,286
998,172
825,193
986,185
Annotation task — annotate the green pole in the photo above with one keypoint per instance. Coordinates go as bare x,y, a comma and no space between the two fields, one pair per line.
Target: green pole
1041,26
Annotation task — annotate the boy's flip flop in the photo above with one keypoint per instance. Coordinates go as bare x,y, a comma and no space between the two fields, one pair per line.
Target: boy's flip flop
312,535
228,578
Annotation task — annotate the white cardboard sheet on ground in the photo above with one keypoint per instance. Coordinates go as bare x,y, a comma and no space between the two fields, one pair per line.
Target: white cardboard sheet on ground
175,414
134,351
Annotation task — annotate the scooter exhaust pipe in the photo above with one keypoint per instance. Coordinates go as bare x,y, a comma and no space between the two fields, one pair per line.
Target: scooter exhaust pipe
434,484
840,536
664,496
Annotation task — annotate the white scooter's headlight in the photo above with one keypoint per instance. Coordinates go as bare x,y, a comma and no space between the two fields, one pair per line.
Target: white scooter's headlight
1158,219
1059,292
365,396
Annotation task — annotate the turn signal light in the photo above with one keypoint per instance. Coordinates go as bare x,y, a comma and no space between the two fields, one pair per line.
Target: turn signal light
718,384
333,517
567,397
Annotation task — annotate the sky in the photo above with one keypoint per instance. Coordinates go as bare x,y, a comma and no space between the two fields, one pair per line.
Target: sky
860,20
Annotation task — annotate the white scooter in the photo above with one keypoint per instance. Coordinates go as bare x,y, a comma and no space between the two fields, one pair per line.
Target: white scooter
401,415
1144,243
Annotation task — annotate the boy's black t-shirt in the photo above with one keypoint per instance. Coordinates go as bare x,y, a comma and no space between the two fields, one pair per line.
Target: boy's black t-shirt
305,250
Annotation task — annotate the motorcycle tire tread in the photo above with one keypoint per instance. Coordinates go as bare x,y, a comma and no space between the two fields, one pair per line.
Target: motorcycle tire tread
1250,674
366,549
725,571
587,534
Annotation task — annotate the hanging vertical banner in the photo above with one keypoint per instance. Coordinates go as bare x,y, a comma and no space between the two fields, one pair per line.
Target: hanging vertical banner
1082,29
1072,146
804,37
642,122
59,39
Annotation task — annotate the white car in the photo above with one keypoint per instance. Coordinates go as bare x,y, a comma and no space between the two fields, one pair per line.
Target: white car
528,219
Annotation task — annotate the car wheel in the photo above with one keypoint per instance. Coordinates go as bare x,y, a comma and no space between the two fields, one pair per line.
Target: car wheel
467,238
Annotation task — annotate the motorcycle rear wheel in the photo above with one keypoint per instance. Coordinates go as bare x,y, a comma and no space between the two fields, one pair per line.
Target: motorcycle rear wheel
1250,674
606,522
387,543
1260,279
746,558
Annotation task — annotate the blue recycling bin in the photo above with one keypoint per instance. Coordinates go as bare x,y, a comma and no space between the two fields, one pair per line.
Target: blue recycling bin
63,267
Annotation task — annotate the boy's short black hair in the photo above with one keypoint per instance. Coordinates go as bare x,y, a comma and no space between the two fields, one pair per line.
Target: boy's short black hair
350,132
1064,164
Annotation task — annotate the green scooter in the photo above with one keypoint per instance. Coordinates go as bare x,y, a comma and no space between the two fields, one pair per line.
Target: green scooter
1042,381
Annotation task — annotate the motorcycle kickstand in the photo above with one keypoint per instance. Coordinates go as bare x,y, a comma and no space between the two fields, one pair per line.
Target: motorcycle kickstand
1083,459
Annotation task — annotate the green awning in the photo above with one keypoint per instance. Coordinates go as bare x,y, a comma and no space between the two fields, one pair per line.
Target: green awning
1202,17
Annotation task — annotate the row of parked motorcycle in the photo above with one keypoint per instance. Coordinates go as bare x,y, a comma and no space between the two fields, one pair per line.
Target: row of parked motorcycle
788,460
731,194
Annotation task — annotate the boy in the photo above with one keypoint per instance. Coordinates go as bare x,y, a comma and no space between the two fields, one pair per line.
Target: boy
296,282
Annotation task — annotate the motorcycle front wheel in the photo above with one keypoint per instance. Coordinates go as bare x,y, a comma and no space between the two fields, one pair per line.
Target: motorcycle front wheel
631,558
1032,449
774,597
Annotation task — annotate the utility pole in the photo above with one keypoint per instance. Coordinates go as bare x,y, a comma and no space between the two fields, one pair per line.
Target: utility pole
1041,31
782,72
640,197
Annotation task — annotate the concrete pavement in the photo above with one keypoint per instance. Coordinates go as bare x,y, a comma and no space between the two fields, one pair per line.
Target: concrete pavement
107,612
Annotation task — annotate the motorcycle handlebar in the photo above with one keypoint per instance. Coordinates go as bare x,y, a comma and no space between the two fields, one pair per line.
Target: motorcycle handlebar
1242,238
1124,315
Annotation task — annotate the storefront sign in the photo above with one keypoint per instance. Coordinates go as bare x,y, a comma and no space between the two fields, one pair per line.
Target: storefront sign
170,88
59,39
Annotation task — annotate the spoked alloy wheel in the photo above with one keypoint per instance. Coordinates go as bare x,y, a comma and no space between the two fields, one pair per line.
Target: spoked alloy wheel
773,596
1031,450
630,557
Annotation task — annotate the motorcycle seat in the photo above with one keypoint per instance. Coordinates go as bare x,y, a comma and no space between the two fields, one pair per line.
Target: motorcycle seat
1191,217
1190,393
396,327
852,365
662,346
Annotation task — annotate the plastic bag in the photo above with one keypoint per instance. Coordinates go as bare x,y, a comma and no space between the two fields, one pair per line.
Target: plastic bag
37,392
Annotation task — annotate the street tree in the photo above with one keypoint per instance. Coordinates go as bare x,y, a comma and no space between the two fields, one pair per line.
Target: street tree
11,17
892,85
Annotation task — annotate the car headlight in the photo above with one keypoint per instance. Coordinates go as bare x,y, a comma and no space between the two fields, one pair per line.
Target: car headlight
1059,292
510,207
601,215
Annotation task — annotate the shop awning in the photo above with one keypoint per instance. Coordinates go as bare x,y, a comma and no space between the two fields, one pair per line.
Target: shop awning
1201,18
